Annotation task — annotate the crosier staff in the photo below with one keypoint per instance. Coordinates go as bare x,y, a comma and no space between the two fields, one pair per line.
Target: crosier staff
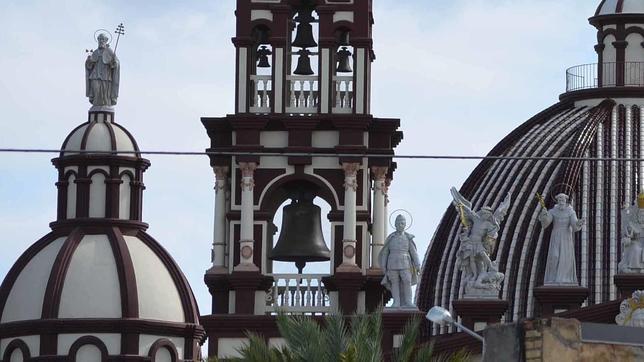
120,30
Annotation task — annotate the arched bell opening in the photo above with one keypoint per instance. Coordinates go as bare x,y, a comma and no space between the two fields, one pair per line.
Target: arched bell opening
300,233
343,71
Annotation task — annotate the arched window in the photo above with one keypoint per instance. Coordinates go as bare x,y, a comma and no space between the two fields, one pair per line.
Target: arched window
97,194
71,195
16,351
163,350
88,349
125,196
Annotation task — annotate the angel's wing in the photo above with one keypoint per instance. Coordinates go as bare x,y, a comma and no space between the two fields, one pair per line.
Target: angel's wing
502,210
459,199
629,214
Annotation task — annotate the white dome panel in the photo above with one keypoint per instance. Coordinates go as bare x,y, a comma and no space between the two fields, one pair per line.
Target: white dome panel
609,7
99,138
123,140
26,297
91,288
633,7
75,139
89,353
158,295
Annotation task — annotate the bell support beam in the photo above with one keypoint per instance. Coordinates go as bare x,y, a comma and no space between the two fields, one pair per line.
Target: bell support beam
219,237
246,239
349,230
378,228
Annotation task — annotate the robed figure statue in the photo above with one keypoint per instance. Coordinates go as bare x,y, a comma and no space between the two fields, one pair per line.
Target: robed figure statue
400,261
102,74
561,269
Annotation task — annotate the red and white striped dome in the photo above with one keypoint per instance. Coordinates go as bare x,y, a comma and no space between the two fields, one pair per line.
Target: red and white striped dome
100,134
610,7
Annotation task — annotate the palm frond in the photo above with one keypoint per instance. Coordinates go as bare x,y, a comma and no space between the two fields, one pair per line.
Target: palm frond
335,337
303,337
255,350
405,351
366,337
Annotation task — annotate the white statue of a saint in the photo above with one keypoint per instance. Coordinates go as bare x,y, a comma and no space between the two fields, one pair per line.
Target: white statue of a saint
632,261
102,74
631,311
400,261
561,269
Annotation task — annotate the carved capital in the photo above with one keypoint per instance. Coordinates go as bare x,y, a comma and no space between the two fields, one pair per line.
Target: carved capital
379,173
221,172
350,169
247,168
247,184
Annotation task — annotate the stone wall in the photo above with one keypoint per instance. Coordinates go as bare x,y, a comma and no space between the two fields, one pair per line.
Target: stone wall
559,339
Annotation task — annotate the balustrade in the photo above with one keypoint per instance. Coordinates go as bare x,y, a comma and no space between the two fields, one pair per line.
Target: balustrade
303,94
298,293
588,76
343,86
262,89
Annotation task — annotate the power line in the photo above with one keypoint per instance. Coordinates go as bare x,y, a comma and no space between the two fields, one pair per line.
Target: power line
313,154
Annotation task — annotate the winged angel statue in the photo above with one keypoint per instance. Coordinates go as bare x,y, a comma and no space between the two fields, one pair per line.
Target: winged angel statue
478,238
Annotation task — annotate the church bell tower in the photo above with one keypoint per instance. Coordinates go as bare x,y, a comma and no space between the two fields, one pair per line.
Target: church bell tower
302,131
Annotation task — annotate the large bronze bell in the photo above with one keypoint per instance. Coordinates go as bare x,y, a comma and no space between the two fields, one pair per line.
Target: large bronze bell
301,240
303,63
304,35
262,56
344,61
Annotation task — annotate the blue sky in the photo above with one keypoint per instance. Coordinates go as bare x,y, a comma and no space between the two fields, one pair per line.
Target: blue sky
460,75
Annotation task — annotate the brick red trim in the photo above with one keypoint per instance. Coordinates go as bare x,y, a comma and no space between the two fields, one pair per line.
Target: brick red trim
163,343
83,341
12,346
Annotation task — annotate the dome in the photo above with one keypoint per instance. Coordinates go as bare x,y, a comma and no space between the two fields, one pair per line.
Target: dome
599,128
100,134
610,7
106,277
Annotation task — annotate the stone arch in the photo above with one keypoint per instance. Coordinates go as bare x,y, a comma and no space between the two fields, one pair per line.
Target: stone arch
87,341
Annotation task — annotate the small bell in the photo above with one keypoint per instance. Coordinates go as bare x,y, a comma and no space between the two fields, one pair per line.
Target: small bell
344,61
304,35
303,63
262,56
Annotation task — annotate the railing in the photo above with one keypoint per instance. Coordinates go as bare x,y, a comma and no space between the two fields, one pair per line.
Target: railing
588,76
303,94
343,86
262,88
298,293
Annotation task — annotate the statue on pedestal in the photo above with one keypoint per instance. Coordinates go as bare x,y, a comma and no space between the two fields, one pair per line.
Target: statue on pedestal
478,238
560,263
631,311
632,261
400,261
102,71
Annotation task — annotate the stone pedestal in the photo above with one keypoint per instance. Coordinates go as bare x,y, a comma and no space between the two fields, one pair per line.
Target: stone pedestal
473,311
376,294
219,287
628,283
393,324
245,284
348,285
554,299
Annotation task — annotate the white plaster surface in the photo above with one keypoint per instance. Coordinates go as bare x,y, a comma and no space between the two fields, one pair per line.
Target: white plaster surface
99,138
158,296
71,197
261,14
274,139
146,341
16,356
111,340
91,288
26,297
325,139
97,196
633,6
32,342
227,347
609,7
343,16
88,353
163,355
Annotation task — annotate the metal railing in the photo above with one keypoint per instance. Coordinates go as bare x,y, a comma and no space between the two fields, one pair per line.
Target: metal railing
589,76
298,293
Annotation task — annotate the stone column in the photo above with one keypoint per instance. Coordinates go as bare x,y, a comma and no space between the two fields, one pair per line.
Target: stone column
386,216
246,240
219,237
378,227
349,234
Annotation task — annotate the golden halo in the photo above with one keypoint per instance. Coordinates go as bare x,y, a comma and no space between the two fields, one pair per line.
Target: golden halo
102,31
398,212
